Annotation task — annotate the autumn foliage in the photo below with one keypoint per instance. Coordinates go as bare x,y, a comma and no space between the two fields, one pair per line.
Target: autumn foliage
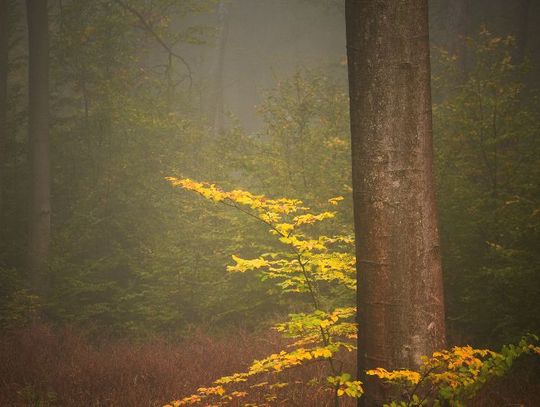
324,334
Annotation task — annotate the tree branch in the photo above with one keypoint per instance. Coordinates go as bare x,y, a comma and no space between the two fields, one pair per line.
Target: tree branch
163,44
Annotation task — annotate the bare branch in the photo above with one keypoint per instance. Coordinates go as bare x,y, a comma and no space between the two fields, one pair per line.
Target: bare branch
151,30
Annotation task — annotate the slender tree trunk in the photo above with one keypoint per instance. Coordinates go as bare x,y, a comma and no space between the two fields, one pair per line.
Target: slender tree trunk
217,113
38,127
4,46
523,7
400,295
457,29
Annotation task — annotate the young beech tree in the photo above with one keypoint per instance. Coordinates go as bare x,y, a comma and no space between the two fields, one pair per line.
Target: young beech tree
319,269
400,297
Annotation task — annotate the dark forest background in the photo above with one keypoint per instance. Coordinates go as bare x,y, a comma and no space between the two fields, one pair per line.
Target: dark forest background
253,94
132,255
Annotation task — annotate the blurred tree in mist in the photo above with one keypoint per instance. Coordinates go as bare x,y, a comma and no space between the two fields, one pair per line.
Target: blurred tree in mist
4,50
487,142
39,233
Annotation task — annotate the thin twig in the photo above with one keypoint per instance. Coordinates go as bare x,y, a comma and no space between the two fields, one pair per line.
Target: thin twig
164,45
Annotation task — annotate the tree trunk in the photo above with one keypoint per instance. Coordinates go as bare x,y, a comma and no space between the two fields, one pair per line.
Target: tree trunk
457,29
4,45
400,295
38,128
217,113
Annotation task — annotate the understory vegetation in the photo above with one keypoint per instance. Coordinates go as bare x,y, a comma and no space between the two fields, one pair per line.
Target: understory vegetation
41,365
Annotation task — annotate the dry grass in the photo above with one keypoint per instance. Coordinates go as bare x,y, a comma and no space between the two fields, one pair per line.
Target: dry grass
43,367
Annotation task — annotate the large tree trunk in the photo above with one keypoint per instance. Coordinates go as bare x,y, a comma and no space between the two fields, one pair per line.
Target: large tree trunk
400,295
38,127
4,46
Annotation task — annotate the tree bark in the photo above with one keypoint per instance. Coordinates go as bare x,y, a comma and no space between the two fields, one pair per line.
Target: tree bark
217,108
38,129
399,292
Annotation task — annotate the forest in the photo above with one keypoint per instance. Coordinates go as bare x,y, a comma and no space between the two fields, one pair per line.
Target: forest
269,203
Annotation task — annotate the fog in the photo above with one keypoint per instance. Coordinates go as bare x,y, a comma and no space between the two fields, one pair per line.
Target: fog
177,200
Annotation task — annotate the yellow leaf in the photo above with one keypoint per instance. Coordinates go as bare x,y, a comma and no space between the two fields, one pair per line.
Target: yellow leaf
334,201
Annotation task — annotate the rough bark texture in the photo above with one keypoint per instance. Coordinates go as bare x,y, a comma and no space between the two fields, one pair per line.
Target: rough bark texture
3,107
38,127
400,296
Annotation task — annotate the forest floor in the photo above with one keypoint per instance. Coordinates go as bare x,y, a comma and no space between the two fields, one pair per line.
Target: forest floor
45,367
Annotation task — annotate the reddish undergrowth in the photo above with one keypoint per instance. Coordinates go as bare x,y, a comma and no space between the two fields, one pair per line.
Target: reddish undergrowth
46,367
40,366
